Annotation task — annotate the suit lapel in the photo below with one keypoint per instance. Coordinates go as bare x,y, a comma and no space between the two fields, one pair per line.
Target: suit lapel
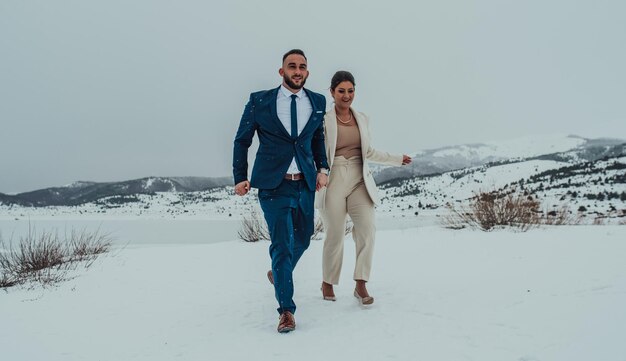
271,98
274,114
311,99
331,134
314,112
362,124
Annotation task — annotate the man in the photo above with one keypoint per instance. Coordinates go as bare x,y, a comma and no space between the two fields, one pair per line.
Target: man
290,165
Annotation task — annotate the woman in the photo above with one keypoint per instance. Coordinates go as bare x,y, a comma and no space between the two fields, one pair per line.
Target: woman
351,189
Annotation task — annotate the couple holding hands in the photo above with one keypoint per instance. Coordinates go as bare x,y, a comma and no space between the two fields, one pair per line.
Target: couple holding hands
309,158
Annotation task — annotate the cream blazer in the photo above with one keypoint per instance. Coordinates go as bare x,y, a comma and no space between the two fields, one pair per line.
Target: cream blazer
368,153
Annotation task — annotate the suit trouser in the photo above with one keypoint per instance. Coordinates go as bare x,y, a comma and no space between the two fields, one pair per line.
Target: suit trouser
288,211
346,195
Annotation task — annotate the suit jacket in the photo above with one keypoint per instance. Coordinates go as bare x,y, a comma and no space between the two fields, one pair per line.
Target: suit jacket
368,154
276,146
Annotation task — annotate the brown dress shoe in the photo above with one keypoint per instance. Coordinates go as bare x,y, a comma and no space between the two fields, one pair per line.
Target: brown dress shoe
270,276
287,322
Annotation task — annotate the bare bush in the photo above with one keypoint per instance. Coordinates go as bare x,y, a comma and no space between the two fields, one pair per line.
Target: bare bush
253,228
87,245
34,254
349,226
561,216
599,220
45,257
488,210
319,228
8,280
456,218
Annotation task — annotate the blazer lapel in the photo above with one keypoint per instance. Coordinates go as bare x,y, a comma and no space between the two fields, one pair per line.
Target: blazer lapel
316,112
331,135
274,114
312,100
363,131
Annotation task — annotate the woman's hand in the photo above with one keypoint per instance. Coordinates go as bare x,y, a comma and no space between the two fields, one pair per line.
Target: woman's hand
322,180
406,159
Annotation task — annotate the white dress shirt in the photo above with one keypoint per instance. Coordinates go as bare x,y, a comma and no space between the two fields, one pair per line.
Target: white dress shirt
283,108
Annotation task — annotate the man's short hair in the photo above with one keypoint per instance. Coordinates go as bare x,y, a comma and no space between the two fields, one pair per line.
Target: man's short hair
294,51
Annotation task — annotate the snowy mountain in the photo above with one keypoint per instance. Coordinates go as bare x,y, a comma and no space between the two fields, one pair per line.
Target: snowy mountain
80,192
446,159
597,186
585,175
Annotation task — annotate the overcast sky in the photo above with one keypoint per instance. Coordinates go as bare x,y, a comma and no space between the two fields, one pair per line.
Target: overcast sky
116,90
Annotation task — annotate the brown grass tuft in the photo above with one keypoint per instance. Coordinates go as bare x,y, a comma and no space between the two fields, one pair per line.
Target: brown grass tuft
45,257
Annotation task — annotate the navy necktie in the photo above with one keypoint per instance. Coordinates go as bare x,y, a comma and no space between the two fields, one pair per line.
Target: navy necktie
294,117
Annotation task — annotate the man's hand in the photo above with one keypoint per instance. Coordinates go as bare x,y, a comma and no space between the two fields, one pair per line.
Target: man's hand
242,188
406,159
322,180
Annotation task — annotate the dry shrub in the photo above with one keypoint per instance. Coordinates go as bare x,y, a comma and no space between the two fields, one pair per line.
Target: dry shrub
318,229
349,226
8,280
489,210
561,216
253,228
598,221
86,245
35,253
45,257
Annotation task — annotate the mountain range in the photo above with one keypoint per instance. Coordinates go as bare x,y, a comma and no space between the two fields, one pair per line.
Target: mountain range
549,166
441,160
85,192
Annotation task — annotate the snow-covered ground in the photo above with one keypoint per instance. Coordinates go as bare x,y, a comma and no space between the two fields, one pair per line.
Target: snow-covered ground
129,232
554,293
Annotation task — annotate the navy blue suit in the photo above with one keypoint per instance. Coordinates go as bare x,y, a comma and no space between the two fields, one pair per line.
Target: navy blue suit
287,205
276,147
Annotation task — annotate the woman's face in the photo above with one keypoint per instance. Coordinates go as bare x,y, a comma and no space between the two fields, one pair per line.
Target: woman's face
343,94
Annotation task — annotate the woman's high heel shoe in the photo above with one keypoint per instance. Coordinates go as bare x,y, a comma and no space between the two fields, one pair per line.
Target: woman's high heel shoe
367,300
327,298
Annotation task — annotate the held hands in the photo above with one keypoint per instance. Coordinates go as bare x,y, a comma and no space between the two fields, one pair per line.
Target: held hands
406,159
322,180
242,188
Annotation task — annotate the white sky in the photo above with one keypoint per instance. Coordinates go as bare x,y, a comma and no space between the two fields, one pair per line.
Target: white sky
115,90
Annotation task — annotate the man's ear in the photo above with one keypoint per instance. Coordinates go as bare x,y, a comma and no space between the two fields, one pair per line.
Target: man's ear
281,72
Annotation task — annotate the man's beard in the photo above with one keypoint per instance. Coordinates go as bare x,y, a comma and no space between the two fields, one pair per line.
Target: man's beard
293,85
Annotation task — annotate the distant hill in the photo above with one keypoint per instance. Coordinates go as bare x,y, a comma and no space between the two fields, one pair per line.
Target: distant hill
587,175
597,185
436,161
85,192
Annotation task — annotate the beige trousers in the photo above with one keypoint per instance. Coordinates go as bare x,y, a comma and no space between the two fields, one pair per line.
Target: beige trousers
346,195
